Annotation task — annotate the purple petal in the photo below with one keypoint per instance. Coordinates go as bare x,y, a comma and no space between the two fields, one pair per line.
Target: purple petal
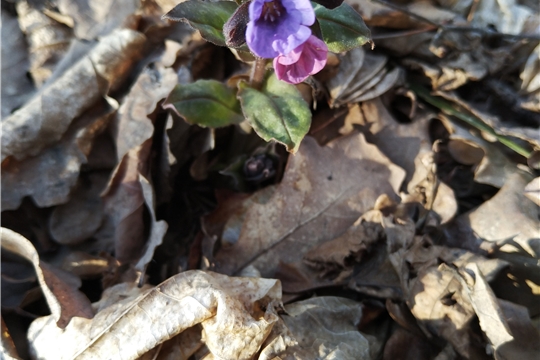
289,39
260,40
255,9
302,9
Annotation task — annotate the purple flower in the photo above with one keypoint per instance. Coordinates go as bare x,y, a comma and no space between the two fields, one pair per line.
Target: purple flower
277,27
307,59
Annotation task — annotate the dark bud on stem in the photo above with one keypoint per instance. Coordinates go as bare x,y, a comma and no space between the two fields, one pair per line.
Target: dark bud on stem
329,4
259,168
234,29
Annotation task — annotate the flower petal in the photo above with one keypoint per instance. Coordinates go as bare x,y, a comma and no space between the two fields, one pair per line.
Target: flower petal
303,7
310,59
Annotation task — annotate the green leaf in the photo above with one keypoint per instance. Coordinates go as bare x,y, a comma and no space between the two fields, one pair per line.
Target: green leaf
207,103
276,112
343,29
207,17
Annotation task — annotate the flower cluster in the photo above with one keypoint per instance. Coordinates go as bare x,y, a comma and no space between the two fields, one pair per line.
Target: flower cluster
279,29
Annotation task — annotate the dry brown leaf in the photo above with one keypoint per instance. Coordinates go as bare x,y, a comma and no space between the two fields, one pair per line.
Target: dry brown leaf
407,145
48,39
436,299
97,18
45,118
507,345
124,203
522,226
236,314
507,16
157,230
82,216
49,177
532,190
16,87
324,328
133,126
361,76
59,288
405,345
323,192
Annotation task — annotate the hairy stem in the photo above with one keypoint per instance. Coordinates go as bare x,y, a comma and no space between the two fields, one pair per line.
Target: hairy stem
257,73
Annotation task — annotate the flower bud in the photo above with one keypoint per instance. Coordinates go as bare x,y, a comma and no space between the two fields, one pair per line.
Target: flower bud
234,29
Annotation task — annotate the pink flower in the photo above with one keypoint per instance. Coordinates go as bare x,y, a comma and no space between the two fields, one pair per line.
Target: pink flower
305,60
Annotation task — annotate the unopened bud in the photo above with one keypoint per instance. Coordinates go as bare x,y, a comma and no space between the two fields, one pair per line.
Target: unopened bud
234,29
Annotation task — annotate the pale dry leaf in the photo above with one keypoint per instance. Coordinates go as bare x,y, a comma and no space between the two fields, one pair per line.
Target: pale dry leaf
94,18
350,247
507,16
407,145
324,328
437,299
59,288
48,40
16,86
49,177
157,228
45,118
82,216
133,126
323,192
522,226
230,310
124,202
485,305
532,190
508,342
492,166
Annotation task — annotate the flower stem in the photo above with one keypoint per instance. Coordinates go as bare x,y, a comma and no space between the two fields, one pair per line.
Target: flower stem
257,73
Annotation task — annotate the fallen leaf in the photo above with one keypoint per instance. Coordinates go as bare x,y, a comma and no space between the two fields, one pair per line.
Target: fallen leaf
43,120
323,328
49,177
82,216
97,18
16,87
59,288
317,200
48,39
236,315
522,226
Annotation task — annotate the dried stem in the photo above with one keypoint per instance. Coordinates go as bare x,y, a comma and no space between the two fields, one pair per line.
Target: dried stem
257,73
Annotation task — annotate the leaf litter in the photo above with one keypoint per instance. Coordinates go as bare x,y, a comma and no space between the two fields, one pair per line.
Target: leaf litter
405,226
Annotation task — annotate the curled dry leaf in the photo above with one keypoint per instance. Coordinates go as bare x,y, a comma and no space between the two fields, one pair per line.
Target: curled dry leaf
133,126
48,40
59,288
435,298
97,18
532,190
49,177
323,328
129,190
45,118
522,226
81,217
236,314
322,193
361,76
521,340
16,87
